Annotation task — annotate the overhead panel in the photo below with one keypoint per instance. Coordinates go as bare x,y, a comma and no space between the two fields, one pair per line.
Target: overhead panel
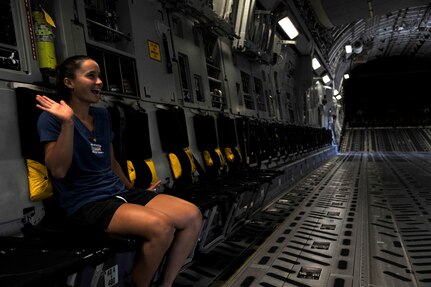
340,12
244,14
19,42
109,41
256,30
215,16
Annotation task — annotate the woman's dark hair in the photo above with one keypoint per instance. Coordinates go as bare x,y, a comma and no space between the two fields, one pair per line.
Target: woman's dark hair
67,69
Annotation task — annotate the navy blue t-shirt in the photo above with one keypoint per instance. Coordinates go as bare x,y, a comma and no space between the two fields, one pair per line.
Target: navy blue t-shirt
90,176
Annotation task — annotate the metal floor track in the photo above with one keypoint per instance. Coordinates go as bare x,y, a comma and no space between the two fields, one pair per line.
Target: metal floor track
361,219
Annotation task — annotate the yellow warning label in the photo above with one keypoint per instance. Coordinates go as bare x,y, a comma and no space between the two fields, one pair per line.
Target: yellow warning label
48,19
154,51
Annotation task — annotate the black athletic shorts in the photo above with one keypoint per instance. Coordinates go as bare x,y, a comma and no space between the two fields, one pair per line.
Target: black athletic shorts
98,214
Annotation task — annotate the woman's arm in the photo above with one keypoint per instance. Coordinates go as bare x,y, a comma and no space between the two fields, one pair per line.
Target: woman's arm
58,154
119,171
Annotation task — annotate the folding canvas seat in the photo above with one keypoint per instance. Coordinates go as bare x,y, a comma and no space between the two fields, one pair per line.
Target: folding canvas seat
244,163
214,207
242,191
238,168
277,137
132,147
132,144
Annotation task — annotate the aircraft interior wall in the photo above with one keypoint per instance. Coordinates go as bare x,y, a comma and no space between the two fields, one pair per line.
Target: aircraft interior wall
246,85
156,81
14,199
166,56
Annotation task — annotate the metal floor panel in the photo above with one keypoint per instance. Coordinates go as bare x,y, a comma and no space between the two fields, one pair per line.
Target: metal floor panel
361,219
365,221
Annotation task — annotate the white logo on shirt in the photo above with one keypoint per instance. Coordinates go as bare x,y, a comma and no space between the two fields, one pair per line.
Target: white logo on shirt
96,148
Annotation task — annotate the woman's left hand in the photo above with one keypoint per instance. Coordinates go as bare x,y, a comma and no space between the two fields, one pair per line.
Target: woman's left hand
154,186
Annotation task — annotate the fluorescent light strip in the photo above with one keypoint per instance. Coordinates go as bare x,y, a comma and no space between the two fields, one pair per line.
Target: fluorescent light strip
315,64
288,27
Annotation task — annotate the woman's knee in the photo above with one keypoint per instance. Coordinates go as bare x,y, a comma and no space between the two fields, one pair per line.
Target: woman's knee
162,229
195,217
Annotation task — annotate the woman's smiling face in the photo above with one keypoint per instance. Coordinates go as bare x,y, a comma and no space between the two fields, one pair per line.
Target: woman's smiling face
86,85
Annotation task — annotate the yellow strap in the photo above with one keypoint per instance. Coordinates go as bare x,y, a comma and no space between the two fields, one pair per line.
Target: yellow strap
175,165
239,153
221,157
132,172
40,186
207,158
229,154
152,167
192,162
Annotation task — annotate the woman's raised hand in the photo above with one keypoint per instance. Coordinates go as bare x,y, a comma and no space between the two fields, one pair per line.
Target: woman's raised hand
60,110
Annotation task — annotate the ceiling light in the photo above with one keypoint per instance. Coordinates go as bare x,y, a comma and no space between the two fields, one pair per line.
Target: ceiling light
336,92
288,27
348,49
338,97
315,64
288,42
326,79
346,76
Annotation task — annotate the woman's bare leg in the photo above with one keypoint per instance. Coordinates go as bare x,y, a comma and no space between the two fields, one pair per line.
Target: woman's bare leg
187,219
157,230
